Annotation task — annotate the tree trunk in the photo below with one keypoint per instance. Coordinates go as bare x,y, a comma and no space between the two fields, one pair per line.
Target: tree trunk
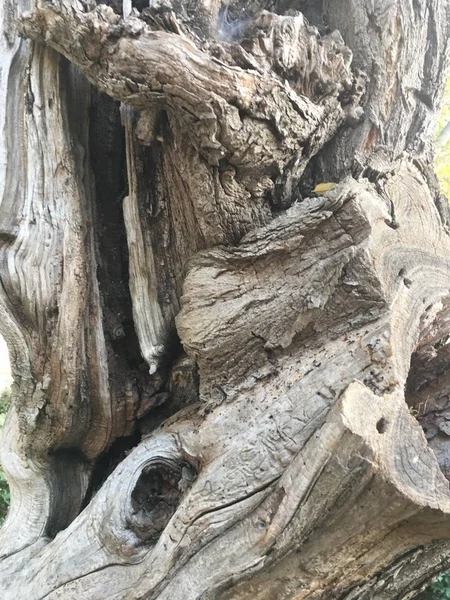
226,386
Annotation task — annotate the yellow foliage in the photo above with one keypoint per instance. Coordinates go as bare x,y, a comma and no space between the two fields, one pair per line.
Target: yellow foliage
321,188
442,158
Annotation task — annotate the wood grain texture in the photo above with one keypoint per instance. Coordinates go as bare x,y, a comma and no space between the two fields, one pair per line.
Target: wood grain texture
218,373
243,130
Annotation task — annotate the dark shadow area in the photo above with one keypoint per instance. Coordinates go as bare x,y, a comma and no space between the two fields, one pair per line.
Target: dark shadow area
108,461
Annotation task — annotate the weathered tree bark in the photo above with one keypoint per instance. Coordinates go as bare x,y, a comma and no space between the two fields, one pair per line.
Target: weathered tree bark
226,386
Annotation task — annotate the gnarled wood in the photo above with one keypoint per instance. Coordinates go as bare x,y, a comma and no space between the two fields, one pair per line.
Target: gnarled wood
245,131
264,443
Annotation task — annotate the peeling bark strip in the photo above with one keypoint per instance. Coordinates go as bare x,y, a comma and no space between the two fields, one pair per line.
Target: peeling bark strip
275,451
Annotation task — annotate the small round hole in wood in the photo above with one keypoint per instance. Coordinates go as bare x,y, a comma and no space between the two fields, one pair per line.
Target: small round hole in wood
382,425
156,496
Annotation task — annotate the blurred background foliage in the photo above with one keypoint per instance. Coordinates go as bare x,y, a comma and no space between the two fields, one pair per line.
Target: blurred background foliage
442,160
5,399
440,590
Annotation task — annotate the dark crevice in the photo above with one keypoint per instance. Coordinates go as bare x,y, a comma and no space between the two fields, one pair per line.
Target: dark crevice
427,390
108,164
428,397
128,371
317,170
108,461
141,402
382,425
156,496
68,466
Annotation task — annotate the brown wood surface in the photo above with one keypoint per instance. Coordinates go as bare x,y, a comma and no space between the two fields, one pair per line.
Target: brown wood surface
225,386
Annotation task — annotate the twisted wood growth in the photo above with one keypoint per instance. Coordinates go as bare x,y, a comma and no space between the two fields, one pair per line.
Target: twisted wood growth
225,385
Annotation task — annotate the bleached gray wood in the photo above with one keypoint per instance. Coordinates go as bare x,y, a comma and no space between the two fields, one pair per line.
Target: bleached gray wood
282,453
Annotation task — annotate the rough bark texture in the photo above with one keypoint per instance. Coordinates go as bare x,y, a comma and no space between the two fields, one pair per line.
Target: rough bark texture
226,386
